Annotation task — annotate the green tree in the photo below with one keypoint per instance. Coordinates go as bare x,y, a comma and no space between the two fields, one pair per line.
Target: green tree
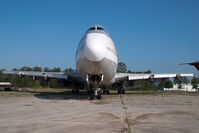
53,83
185,80
46,69
23,68
29,69
36,84
15,69
168,84
138,72
56,69
38,69
69,70
179,81
149,71
129,71
146,85
195,82
161,84
121,67
66,70
44,84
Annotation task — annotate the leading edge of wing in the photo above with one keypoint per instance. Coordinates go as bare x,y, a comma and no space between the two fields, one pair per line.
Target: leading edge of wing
56,75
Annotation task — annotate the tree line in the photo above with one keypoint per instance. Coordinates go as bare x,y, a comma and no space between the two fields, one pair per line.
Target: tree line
122,68
45,69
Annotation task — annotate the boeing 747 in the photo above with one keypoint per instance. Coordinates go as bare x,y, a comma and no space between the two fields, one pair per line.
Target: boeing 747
96,65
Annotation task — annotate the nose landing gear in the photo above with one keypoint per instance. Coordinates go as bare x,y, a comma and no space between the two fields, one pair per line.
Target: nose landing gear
96,93
94,82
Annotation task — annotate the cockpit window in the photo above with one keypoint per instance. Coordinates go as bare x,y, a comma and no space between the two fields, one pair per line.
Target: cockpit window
97,29
92,28
100,28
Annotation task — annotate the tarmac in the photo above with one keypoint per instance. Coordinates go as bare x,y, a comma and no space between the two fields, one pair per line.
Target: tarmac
60,112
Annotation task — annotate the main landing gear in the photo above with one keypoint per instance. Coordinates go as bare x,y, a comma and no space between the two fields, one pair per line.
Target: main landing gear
75,91
105,91
121,91
75,88
120,88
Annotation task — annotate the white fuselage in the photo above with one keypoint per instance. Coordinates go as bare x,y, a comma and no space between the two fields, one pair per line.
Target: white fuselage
96,54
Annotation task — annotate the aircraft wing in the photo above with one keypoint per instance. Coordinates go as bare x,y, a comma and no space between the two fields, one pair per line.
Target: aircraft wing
129,76
45,75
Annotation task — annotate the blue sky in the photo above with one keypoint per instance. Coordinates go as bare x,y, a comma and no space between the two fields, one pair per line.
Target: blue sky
148,34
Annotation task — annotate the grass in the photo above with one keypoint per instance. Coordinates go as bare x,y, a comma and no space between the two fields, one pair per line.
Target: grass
128,124
50,90
122,100
13,93
28,105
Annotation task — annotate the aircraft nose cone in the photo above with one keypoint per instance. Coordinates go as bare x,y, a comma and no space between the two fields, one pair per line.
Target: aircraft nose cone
94,49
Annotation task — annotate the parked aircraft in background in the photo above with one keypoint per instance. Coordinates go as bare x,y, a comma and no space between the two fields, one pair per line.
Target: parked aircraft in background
96,65
196,64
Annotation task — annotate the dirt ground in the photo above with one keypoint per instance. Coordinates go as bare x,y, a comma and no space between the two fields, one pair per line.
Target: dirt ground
62,112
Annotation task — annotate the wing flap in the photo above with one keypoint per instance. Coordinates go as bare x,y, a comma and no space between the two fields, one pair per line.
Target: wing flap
136,77
121,76
156,76
56,75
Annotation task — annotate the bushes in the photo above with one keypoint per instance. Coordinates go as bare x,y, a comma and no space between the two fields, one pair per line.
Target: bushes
168,84
195,82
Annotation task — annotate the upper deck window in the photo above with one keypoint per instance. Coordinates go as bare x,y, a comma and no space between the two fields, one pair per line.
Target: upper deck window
100,28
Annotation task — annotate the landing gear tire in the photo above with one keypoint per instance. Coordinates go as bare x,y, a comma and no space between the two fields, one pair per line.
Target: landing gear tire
89,92
121,92
118,92
99,96
75,91
92,95
105,91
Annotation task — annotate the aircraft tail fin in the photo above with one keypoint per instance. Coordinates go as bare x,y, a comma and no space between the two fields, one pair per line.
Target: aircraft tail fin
196,64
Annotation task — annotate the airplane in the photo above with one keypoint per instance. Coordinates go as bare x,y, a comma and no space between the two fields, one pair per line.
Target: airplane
96,66
196,64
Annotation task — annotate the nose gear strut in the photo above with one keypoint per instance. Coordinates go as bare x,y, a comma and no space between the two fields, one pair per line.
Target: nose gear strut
93,83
